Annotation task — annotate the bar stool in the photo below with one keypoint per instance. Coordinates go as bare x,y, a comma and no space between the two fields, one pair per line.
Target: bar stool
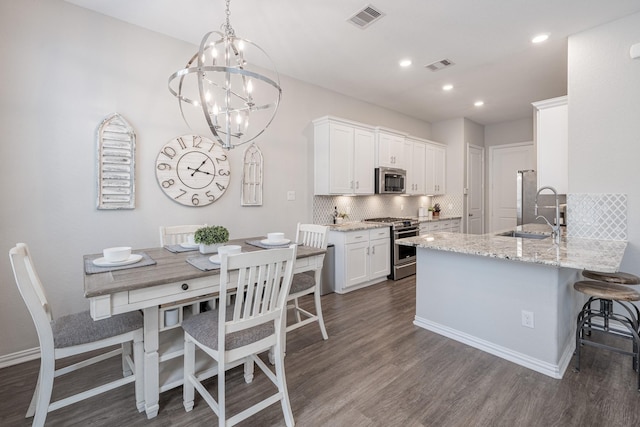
612,323
620,278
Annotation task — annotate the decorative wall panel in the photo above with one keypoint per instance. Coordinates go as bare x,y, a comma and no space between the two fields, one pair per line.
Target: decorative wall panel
116,147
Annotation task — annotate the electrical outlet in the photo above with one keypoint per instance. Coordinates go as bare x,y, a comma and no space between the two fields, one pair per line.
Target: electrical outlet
527,319
291,195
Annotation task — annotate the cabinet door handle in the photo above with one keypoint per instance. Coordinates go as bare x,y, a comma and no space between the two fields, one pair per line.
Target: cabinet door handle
357,184
184,286
367,251
351,186
373,250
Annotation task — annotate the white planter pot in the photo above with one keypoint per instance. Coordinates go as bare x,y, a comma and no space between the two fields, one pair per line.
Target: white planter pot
210,249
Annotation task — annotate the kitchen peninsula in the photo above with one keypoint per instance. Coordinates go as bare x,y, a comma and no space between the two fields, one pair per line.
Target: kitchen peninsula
482,289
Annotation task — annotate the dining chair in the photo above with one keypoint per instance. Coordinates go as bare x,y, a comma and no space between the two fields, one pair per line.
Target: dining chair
307,283
239,332
72,335
176,234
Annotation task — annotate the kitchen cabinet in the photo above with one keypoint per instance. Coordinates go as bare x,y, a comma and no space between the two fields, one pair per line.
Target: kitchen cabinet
435,165
416,158
390,149
552,143
448,225
344,158
362,257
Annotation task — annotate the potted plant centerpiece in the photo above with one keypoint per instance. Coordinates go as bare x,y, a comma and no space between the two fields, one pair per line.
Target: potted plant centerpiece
210,238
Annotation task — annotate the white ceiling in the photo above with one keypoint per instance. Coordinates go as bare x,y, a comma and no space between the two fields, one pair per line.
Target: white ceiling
488,40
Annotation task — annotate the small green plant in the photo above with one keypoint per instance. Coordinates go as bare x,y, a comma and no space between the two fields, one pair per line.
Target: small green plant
343,215
436,207
211,235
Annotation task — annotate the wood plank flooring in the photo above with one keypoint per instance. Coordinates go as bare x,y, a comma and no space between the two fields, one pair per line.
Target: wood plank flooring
376,369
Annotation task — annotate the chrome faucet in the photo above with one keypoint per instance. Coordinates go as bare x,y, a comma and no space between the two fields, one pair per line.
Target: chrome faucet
555,229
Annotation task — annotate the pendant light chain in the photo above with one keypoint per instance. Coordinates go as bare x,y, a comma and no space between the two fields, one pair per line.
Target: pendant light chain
228,29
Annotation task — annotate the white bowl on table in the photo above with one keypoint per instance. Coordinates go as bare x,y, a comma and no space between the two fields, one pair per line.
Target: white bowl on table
117,254
226,249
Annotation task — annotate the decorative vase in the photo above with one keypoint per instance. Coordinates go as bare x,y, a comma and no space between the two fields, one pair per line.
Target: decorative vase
209,249
436,215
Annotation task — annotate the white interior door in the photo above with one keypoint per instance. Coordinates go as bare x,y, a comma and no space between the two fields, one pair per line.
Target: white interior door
504,163
475,189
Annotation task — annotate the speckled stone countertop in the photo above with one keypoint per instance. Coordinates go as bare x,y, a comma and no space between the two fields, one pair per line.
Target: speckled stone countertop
599,255
362,225
440,218
356,225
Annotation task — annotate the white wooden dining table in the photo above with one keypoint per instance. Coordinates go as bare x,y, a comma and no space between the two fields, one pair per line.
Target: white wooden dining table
148,287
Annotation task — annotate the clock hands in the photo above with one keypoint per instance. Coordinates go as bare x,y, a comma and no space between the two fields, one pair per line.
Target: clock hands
198,168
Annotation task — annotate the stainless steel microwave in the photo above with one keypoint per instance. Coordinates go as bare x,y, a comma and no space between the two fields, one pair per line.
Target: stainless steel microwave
390,180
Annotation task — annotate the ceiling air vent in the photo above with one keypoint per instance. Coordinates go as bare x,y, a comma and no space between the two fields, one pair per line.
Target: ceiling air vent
439,65
365,17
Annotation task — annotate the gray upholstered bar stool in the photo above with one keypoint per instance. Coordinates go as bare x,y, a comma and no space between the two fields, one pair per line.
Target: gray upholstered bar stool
609,322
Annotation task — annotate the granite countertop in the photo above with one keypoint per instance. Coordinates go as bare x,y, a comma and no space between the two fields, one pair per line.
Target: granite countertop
362,225
440,218
570,252
356,226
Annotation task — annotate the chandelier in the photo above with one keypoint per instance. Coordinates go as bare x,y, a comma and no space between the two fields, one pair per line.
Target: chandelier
220,90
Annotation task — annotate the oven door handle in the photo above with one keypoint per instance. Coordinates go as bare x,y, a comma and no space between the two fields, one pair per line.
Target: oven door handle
413,232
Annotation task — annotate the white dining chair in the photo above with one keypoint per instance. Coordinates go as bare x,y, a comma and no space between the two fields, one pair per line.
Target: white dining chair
251,325
72,335
307,283
176,234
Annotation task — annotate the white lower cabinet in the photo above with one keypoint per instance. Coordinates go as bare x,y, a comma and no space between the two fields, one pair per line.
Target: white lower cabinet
362,257
448,225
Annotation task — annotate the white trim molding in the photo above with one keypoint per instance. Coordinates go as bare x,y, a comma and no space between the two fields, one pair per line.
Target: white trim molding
19,357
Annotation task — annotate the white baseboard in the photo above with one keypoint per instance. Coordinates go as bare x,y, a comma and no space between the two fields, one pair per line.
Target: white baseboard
19,357
546,368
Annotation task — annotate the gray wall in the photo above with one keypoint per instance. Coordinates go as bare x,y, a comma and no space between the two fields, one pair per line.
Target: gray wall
509,132
65,68
604,119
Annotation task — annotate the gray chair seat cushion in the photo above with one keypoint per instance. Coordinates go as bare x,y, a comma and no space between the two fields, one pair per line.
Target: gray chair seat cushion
80,328
302,282
204,328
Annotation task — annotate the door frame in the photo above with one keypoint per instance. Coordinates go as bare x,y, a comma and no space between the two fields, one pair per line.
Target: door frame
468,186
492,149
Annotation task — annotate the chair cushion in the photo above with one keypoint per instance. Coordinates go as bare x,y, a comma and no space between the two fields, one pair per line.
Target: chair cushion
302,282
80,328
204,328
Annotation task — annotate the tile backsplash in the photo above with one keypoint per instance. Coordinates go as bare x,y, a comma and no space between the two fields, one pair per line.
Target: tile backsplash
363,207
597,216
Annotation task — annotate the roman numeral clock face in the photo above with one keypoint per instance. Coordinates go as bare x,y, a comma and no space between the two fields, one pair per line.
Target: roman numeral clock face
193,170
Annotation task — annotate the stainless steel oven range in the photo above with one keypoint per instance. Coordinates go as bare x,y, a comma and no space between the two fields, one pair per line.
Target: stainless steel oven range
403,258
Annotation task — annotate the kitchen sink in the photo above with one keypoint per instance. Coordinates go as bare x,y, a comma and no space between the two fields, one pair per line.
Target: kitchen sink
523,235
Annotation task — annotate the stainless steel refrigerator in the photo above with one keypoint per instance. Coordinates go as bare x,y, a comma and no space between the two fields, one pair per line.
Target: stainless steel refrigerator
527,187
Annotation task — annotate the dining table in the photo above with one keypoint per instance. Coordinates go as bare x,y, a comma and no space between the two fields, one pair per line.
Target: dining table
160,279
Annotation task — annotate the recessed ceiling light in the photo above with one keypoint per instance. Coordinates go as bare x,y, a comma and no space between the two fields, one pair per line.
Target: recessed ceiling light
540,38
478,103
405,62
447,87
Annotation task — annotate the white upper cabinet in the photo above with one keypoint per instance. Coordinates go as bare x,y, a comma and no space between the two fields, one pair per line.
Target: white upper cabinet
343,157
435,165
552,143
415,155
390,149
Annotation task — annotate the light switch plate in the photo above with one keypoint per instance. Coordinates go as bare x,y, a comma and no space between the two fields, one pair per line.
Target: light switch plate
291,195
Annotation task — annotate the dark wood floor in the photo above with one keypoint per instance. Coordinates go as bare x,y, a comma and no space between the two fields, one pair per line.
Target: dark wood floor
376,369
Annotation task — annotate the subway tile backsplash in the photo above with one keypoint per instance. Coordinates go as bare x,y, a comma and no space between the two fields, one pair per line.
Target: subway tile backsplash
597,216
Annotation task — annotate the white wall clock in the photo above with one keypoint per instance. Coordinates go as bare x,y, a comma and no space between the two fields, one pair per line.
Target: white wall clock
193,170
